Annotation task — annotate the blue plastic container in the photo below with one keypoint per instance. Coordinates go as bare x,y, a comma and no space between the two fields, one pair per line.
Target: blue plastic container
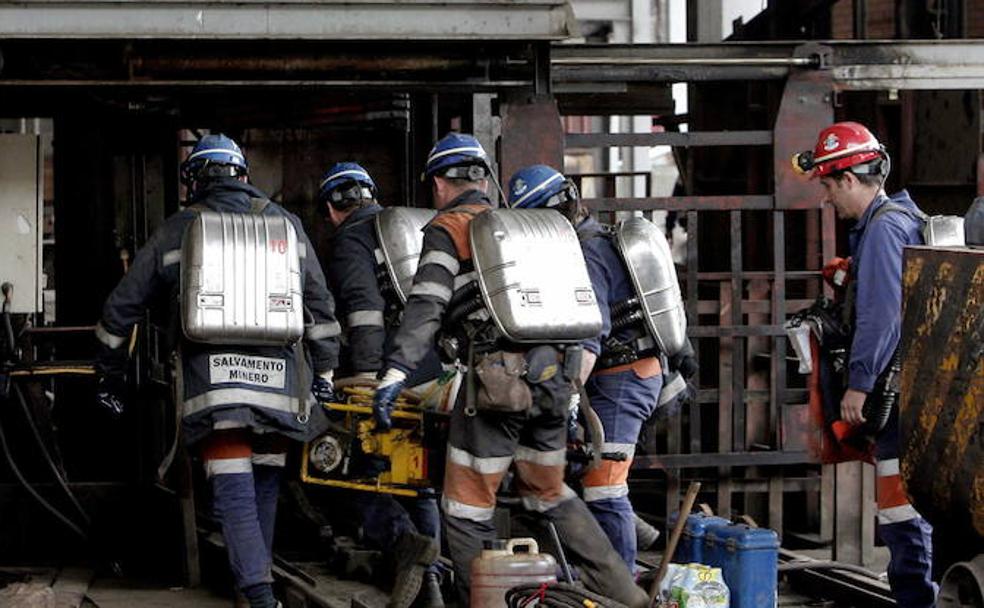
748,558
690,548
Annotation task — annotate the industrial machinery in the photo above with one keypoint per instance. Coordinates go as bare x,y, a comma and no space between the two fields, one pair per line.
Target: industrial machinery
941,414
401,461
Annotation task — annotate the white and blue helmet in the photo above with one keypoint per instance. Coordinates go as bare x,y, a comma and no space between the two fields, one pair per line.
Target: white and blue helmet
540,186
215,155
457,156
345,184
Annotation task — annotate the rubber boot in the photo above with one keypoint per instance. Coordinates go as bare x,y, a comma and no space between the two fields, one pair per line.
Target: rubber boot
430,592
646,535
414,553
600,566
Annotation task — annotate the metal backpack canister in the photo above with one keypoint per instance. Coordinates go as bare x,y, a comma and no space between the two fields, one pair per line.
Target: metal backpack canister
399,231
658,302
532,276
241,280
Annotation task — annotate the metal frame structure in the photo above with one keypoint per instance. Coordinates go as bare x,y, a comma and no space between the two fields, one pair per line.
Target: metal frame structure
730,309
361,20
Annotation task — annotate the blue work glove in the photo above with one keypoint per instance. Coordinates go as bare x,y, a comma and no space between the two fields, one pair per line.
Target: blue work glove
323,388
386,393
108,394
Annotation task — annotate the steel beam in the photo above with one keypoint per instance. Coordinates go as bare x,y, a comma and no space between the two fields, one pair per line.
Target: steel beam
936,64
284,84
268,19
853,65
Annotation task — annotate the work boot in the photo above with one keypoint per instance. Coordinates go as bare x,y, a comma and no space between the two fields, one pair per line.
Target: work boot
600,567
414,553
646,535
430,592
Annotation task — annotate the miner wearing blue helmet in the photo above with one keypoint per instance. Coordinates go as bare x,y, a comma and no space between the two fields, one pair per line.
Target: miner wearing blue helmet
484,444
409,527
622,379
240,421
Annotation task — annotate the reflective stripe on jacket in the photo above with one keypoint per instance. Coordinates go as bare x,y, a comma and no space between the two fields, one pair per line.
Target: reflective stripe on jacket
446,253
263,387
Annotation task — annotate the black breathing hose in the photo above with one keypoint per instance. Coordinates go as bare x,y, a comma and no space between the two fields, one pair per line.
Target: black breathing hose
557,595
8,330
34,493
47,456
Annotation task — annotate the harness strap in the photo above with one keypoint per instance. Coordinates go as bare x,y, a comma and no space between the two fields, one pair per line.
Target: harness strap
455,222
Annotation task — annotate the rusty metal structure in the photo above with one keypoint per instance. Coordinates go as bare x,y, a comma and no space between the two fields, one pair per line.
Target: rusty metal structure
942,409
757,238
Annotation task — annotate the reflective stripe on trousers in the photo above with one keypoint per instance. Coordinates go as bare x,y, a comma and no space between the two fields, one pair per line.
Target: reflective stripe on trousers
907,535
610,478
893,503
244,471
540,478
471,483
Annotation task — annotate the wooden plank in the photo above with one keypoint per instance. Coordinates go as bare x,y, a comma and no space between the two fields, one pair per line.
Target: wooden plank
757,485
680,203
693,312
853,513
760,274
777,377
738,346
735,331
826,506
670,138
791,395
725,390
713,307
724,459
71,587
775,502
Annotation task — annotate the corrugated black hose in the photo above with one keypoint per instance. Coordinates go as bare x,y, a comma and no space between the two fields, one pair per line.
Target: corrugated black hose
47,456
34,493
557,595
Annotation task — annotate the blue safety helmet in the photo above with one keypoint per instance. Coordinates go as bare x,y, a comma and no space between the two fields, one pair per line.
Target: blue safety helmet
213,156
346,184
540,186
457,156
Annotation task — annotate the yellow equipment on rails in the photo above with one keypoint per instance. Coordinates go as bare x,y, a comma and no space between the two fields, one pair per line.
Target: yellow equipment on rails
338,458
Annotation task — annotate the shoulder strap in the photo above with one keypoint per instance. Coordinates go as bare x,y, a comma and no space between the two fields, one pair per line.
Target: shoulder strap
585,234
915,214
257,205
455,222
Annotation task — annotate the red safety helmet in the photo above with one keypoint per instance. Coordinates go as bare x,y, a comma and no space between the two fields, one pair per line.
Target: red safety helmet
841,146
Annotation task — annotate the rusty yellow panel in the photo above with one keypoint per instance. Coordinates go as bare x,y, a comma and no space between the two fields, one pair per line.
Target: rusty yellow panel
941,414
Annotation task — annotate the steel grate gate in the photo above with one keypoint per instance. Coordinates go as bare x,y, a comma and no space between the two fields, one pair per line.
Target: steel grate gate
752,259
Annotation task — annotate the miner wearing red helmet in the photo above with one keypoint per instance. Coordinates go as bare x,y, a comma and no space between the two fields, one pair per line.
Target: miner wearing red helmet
852,167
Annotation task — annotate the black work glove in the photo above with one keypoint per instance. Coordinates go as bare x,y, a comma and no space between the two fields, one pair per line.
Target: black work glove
323,388
685,362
